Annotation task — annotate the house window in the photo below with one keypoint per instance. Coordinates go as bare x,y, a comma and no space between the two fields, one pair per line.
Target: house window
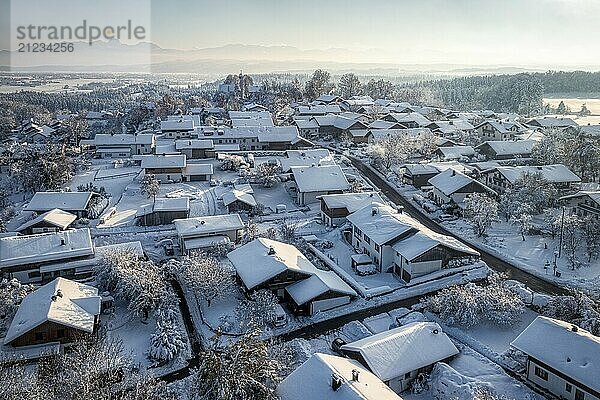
579,395
367,239
540,373
377,247
568,387
407,375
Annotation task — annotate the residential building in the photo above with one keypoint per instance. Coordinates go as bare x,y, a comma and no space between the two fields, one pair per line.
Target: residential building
306,158
179,126
194,172
501,178
60,311
327,377
495,130
194,148
455,152
315,181
238,200
336,207
549,122
51,221
121,145
585,203
165,168
399,355
205,232
561,358
452,187
163,211
506,150
77,203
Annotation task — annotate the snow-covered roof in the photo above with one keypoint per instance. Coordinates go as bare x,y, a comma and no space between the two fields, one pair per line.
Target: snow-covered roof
421,169
456,152
312,381
56,217
249,115
238,195
320,109
552,122
71,201
201,226
450,181
132,247
256,263
555,343
20,250
180,124
279,134
400,350
198,169
171,204
328,98
321,282
305,158
181,144
103,139
594,195
415,117
556,173
415,245
320,178
380,222
61,301
351,201
166,161
306,123
505,148
383,124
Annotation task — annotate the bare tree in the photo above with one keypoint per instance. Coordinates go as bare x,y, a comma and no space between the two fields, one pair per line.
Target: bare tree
150,186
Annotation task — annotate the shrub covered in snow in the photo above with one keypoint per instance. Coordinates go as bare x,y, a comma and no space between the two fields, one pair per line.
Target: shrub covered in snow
260,308
12,293
167,341
577,308
471,304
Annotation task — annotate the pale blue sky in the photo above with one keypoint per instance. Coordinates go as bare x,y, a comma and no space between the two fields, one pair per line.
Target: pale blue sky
544,32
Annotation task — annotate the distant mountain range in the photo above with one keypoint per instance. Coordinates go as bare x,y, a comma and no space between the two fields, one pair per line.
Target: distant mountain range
114,56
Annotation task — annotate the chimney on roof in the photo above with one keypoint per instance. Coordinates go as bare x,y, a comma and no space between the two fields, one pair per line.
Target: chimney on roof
271,251
53,297
355,374
59,293
336,382
574,328
435,331
374,211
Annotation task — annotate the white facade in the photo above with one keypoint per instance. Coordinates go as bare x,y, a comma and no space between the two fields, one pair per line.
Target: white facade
561,387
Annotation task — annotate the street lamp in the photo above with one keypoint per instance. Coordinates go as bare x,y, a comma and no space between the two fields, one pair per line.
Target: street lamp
555,257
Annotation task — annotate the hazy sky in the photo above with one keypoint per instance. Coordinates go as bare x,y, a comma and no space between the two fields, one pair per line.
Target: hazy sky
509,32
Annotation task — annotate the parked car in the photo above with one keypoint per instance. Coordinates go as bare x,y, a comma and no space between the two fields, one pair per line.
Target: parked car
337,344
280,316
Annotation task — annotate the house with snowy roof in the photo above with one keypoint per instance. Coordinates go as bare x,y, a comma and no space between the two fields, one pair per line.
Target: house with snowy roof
399,244
178,126
54,220
77,203
585,203
328,377
383,124
307,126
418,175
205,232
408,119
451,127
455,152
163,211
283,269
255,137
318,110
239,200
502,178
166,168
452,187
60,311
328,99
399,355
306,158
336,207
496,130
194,172
315,181
194,148
549,122
41,257
506,150
561,358
121,145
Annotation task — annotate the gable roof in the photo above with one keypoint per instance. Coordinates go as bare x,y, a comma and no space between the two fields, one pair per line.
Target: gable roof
198,226
455,152
320,283
56,217
181,144
320,178
400,350
255,265
312,381
72,201
556,173
575,354
504,148
305,158
593,195
180,124
55,246
166,161
450,181
351,201
105,139
238,195
61,301
382,227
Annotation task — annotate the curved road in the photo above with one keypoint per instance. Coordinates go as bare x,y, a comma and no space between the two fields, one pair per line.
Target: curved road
497,264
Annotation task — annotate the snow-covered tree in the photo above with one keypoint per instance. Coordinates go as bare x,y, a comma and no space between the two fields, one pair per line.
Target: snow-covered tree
577,308
287,232
233,162
482,211
552,221
523,223
318,84
471,304
562,108
267,174
260,307
390,151
12,292
150,186
243,369
167,342
205,274
591,235
349,85
571,239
